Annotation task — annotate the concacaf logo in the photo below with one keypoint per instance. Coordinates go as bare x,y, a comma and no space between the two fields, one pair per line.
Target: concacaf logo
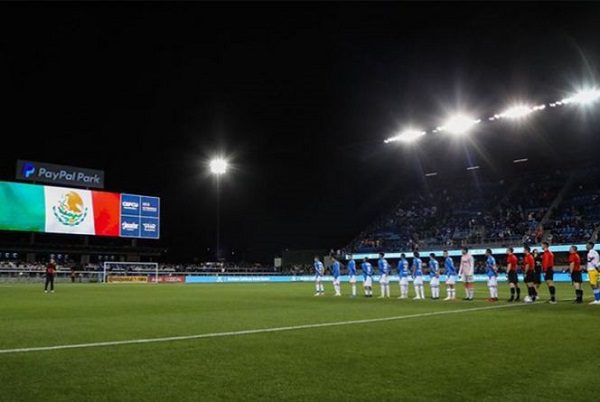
70,210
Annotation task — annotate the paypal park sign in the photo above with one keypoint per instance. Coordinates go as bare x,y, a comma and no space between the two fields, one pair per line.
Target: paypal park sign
58,174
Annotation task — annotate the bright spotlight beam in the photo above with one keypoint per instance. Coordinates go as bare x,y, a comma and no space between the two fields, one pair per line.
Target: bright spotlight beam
218,166
408,135
583,97
459,124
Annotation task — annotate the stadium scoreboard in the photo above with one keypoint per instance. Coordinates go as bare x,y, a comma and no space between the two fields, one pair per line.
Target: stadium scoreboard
49,209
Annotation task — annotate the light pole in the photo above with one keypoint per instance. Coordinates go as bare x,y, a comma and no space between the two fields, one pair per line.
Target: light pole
218,166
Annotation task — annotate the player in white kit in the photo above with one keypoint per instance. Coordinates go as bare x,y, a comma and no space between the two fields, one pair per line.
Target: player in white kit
466,272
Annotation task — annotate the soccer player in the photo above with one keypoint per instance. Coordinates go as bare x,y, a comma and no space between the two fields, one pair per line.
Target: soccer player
352,275
575,269
529,272
548,269
593,269
537,276
513,277
417,271
319,269
335,272
434,277
367,271
492,273
384,269
450,271
50,273
466,271
403,276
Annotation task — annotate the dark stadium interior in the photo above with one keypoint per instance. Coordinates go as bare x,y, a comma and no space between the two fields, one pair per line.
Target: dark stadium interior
301,99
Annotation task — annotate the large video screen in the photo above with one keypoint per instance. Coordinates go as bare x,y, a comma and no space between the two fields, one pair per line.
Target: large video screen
36,208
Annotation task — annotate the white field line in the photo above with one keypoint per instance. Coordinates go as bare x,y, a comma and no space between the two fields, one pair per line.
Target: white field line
251,331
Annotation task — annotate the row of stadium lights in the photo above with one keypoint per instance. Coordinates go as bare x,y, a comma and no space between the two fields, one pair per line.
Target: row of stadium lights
462,123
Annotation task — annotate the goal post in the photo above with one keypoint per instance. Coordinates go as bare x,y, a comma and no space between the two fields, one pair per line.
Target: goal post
130,272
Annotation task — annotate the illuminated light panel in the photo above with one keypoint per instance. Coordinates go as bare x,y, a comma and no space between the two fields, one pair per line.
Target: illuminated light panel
459,124
409,135
582,97
218,166
473,167
431,174
522,160
518,112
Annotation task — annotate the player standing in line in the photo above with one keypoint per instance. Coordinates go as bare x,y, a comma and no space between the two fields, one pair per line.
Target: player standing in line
384,269
434,277
537,276
319,269
335,272
450,271
465,272
50,273
548,268
403,276
417,271
352,275
367,271
593,269
491,270
575,269
529,271
513,278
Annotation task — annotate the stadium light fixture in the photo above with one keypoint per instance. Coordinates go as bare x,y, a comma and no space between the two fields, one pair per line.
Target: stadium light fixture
522,160
458,124
476,167
431,174
218,166
517,112
408,135
583,97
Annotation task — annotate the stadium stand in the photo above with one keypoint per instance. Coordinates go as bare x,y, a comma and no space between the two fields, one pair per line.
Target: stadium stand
560,207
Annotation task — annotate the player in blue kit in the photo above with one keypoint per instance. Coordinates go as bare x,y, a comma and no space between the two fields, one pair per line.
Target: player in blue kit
319,270
491,269
450,271
335,272
434,277
417,271
367,271
352,275
384,269
403,276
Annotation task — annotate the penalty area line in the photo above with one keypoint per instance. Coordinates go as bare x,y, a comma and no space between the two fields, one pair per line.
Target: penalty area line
252,331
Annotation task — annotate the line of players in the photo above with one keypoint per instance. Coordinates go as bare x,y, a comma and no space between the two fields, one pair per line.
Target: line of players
532,273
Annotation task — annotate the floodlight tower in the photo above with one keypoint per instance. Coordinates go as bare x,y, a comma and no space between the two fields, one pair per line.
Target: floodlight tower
218,167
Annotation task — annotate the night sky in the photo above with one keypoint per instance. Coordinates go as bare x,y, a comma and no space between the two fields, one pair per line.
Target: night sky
300,98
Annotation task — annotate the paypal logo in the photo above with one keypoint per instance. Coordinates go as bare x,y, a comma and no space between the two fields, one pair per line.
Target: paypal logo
28,169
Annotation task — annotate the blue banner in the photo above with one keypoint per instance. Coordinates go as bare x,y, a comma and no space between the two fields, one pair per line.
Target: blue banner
558,277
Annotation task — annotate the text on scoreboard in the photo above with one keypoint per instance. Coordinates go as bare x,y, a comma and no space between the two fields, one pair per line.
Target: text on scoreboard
38,208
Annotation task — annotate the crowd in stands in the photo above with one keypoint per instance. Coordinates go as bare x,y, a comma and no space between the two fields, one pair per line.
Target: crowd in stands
557,207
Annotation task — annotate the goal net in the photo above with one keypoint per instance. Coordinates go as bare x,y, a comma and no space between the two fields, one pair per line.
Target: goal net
130,272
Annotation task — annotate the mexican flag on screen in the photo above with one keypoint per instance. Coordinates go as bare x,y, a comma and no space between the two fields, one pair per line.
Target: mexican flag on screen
37,208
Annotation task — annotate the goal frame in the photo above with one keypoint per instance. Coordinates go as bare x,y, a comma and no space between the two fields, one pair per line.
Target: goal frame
150,264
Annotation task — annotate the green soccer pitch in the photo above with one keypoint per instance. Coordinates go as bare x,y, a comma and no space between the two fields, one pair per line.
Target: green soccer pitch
426,350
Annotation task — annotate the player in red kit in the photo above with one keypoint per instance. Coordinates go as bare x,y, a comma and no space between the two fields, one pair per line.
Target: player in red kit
548,269
513,278
575,268
529,271
50,273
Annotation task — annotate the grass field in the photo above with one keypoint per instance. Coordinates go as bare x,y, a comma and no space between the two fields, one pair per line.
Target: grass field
460,352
